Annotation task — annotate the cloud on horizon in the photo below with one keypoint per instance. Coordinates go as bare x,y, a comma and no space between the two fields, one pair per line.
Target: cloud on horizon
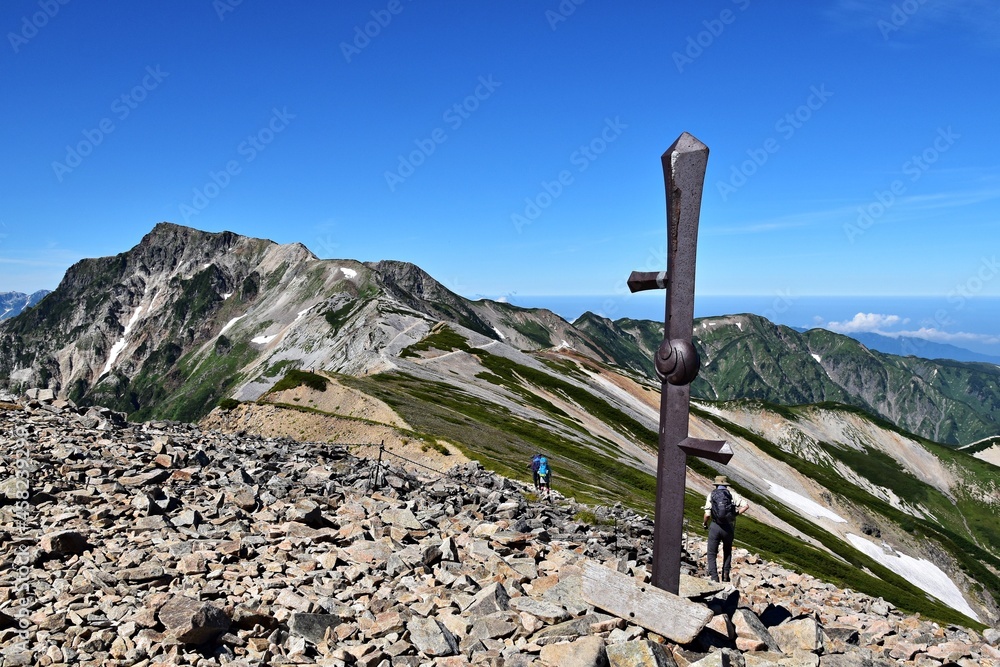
879,323
867,323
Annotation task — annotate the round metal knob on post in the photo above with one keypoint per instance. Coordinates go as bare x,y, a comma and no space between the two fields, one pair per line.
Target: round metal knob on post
677,362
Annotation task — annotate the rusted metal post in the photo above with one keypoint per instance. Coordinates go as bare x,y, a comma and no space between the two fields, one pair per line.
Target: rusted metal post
676,361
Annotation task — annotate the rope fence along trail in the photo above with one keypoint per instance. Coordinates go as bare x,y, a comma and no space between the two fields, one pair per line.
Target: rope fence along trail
376,478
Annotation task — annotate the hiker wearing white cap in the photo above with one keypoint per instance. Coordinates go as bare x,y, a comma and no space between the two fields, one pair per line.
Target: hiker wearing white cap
721,509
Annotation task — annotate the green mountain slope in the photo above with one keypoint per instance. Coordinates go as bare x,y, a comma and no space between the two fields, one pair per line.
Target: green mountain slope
748,357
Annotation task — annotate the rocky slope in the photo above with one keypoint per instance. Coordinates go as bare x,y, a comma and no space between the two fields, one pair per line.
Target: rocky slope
160,544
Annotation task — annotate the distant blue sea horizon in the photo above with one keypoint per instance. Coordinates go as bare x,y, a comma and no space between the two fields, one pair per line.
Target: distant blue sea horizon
972,323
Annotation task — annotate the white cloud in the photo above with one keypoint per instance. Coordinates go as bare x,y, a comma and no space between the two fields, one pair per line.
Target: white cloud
867,322
878,323
929,333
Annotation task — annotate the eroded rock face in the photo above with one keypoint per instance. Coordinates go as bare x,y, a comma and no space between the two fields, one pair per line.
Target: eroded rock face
164,544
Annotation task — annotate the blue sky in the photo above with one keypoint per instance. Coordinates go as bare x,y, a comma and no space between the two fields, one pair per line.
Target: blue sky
510,147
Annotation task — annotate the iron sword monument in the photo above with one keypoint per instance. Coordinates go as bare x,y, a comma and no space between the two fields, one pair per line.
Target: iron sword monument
677,361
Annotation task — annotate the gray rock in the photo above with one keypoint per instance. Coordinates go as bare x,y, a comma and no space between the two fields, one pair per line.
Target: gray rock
491,599
191,621
583,652
639,654
312,627
64,543
431,638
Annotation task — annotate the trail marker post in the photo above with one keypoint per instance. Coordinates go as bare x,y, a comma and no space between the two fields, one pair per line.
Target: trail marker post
677,361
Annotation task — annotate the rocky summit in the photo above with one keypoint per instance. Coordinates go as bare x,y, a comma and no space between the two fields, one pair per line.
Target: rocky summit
164,544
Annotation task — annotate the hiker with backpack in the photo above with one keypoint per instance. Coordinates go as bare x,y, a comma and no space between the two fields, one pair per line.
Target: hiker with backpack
535,460
722,506
545,476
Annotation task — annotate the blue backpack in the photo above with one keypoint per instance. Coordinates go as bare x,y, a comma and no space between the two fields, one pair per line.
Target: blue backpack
543,466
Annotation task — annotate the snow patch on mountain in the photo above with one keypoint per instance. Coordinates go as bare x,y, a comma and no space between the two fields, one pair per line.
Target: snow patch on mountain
117,348
922,573
231,323
802,503
350,273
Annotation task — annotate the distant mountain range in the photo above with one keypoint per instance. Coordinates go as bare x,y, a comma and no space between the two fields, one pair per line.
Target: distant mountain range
187,320
906,346
13,304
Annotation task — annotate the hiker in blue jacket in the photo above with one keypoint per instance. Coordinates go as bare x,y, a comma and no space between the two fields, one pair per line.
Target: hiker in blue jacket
534,470
545,476
722,506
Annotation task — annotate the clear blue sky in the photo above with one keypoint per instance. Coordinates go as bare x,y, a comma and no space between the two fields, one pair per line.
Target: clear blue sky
854,144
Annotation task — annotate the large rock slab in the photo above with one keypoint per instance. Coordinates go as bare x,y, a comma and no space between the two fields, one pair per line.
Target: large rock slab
664,613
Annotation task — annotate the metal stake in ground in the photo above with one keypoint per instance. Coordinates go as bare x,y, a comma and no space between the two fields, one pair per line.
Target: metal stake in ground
677,361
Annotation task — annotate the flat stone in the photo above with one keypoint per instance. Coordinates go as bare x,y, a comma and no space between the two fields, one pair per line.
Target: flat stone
548,612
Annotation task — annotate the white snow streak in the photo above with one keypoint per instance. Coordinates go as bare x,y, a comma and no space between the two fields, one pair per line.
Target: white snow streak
923,573
818,358
117,348
500,333
350,273
226,295
263,340
231,323
801,502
